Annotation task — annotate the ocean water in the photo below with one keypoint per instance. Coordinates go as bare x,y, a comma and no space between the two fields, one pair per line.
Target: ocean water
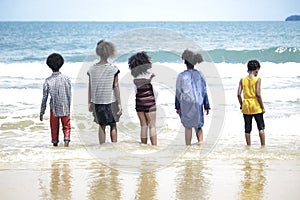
230,42
226,47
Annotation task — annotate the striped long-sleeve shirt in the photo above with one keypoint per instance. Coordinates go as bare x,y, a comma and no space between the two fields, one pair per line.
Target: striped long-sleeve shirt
59,88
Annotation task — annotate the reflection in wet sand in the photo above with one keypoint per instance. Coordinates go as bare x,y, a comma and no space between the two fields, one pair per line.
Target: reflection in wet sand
105,183
60,182
60,186
147,185
254,180
192,183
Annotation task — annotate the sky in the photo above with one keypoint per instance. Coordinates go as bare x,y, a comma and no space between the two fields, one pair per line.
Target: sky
147,10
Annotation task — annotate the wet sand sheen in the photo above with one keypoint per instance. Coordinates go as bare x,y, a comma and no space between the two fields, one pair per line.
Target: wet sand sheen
31,168
208,178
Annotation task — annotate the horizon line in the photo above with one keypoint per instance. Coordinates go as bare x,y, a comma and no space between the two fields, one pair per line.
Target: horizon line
142,20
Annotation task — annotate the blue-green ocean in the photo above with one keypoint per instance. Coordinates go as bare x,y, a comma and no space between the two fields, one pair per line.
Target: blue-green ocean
230,42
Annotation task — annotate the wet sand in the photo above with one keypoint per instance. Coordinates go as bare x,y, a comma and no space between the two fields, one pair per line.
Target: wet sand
239,177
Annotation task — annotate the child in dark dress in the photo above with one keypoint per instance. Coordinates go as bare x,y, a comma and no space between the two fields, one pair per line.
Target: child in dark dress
145,105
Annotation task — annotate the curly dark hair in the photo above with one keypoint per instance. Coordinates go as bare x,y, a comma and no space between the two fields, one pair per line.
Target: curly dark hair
55,61
190,58
139,63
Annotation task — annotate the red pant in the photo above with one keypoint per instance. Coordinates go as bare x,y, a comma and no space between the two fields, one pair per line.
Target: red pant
54,125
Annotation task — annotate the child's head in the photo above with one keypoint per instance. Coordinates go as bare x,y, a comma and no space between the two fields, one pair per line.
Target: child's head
139,63
253,65
55,61
191,59
105,49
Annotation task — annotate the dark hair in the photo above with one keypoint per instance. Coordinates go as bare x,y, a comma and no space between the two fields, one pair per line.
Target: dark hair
253,65
139,63
190,58
55,61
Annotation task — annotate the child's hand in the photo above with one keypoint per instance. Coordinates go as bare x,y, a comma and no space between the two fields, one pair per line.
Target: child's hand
207,111
152,76
120,110
90,107
41,118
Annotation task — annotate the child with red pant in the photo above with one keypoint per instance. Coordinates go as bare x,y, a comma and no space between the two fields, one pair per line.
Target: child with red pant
59,88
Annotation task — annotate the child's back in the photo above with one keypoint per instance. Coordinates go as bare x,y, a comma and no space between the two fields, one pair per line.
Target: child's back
58,86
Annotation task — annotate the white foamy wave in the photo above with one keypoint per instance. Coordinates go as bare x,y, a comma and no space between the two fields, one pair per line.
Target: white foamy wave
22,82
36,70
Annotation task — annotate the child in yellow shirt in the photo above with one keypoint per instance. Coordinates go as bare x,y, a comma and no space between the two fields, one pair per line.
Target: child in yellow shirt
252,104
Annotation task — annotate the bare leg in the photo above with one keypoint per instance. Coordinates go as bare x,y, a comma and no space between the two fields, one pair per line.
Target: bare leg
262,137
151,119
199,134
113,133
144,137
101,134
66,143
153,140
144,127
248,139
188,136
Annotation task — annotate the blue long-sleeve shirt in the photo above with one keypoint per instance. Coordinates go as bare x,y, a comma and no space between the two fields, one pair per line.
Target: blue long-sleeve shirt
191,98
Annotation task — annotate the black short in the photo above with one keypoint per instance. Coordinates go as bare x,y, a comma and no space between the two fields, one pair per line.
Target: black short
259,118
145,109
106,114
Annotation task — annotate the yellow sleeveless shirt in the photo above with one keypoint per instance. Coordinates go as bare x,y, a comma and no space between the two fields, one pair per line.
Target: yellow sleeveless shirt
250,103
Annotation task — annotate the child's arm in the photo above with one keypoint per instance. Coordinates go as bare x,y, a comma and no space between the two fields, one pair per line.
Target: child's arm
89,96
177,105
44,100
117,93
258,95
177,94
239,94
206,104
205,97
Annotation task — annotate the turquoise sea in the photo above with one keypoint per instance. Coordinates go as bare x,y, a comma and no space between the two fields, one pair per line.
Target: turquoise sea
230,42
222,168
